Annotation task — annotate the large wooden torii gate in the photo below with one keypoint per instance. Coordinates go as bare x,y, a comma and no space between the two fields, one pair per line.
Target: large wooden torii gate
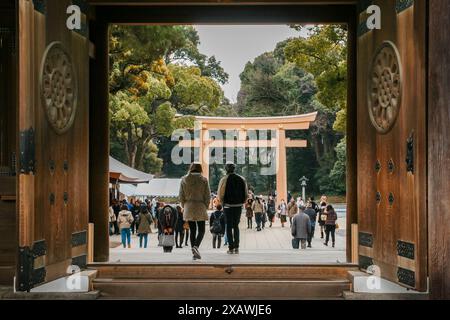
242,125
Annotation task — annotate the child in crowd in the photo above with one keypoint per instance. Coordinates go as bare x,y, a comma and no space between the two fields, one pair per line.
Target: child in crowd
217,226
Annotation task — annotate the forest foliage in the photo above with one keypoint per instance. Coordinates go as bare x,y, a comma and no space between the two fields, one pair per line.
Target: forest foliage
159,80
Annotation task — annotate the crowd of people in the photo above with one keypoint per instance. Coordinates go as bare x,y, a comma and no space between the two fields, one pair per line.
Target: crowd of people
186,222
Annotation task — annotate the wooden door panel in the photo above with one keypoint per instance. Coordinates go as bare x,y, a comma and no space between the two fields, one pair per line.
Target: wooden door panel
391,200
53,221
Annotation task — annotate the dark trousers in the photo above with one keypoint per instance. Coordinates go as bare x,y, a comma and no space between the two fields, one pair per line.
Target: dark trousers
311,235
249,222
116,228
217,240
258,219
233,216
329,229
179,237
197,229
186,236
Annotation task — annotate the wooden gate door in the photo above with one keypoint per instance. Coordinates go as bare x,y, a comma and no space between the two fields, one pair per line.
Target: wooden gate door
53,124
392,142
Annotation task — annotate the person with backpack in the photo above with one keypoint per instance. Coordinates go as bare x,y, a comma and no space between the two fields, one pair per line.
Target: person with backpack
167,220
195,197
232,193
144,222
217,226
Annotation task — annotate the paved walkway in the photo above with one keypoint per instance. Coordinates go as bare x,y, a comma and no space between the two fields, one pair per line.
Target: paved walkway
269,246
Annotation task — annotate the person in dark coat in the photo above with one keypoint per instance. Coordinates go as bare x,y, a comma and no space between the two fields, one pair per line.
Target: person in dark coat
271,210
179,229
312,214
217,226
168,220
233,194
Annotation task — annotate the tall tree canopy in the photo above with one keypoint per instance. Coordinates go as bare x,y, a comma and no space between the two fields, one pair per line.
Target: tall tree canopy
304,75
156,73
323,53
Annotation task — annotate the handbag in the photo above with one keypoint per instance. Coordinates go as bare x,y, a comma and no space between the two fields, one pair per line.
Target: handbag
186,225
336,226
295,243
167,240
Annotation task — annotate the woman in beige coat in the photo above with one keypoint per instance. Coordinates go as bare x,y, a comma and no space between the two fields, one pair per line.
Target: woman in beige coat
194,198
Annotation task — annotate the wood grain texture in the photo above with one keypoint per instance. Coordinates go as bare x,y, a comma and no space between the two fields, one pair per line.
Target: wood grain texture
405,218
39,219
439,150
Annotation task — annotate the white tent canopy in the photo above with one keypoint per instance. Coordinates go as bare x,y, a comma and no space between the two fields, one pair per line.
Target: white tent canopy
122,173
159,188
127,189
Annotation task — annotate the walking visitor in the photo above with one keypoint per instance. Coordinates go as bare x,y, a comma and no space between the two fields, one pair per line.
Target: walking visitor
264,215
195,197
300,229
292,210
144,222
330,225
271,210
217,226
249,213
258,209
322,216
312,214
179,228
282,211
124,221
232,193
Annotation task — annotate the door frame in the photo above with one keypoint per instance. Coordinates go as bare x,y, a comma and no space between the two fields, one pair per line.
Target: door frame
343,12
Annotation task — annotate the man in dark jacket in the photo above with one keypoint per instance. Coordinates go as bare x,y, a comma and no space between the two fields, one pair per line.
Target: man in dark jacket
232,193
312,214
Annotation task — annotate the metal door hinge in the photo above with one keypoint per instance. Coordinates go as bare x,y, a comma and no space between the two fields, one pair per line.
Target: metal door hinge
28,275
27,152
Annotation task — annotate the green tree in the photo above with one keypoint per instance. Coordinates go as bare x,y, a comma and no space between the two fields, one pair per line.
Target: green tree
323,53
147,94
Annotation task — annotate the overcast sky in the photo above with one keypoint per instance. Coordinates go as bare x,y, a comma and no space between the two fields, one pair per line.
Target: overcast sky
235,45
